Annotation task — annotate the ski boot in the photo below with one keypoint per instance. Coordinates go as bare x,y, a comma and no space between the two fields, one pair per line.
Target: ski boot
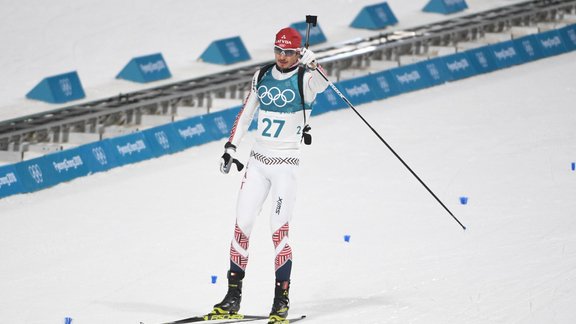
281,303
231,302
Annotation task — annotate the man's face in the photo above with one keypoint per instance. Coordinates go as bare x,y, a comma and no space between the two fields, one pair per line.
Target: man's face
286,58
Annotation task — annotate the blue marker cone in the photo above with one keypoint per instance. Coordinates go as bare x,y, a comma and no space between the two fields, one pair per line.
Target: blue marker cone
573,166
463,200
214,278
347,238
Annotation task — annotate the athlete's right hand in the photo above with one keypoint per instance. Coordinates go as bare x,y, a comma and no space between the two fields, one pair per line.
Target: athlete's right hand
228,158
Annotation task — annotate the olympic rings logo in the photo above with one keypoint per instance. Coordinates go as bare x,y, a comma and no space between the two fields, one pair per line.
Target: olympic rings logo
100,155
36,173
162,139
66,86
274,95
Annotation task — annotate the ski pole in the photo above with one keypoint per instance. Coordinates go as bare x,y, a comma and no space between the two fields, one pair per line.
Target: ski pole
380,137
306,136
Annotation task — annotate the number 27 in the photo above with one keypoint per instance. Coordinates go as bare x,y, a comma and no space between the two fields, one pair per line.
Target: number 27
269,123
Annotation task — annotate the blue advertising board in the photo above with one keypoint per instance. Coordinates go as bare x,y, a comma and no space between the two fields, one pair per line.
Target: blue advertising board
385,85
226,51
482,59
437,71
529,48
358,90
411,77
192,131
10,182
551,43
145,69
506,54
445,6
36,174
328,101
569,35
58,89
459,66
163,140
99,156
130,148
219,124
67,165
316,34
376,16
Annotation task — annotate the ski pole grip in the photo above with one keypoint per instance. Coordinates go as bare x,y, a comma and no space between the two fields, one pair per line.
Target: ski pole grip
310,20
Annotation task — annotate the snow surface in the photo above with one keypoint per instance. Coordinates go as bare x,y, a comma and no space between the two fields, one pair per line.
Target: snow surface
140,243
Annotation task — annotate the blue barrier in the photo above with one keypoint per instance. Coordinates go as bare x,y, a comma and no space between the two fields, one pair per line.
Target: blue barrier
10,184
437,71
99,156
328,101
145,69
459,66
358,90
482,59
58,89
569,35
36,174
163,140
376,16
192,131
67,165
220,123
386,85
411,77
316,33
506,54
445,6
529,48
130,148
551,43
226,51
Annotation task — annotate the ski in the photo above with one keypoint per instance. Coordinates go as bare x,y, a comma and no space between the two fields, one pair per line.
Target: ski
286,321
230,318
292,320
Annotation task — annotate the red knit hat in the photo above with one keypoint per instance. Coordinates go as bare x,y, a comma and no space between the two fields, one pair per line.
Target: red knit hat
288,38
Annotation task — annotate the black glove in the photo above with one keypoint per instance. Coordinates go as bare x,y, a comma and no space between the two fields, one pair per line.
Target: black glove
228,158
306,136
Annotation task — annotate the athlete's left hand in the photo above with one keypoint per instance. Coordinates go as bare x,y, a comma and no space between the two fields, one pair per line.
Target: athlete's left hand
228,159
308,58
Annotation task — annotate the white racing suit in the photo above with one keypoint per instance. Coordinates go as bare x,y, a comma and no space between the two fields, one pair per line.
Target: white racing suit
274,159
